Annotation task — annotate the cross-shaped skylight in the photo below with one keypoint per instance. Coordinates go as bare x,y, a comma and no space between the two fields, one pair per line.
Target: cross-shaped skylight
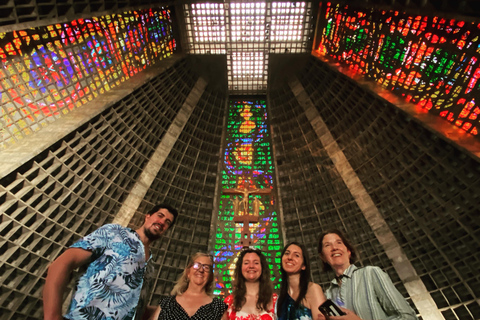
247,32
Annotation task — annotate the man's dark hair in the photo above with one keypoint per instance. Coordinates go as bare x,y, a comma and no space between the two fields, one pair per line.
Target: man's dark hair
346,242
170,209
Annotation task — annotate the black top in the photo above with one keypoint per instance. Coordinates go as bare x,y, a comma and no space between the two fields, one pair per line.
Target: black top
171,310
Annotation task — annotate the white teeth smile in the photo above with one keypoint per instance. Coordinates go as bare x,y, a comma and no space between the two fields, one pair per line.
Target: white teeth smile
337,255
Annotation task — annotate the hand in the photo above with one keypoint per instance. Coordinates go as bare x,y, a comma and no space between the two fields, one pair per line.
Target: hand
350,315
321,317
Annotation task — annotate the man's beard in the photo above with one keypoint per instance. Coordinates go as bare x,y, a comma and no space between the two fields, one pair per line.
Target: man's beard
151,236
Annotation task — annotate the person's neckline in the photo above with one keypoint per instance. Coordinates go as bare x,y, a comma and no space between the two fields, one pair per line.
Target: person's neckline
185,311
343,270
254,314
301,304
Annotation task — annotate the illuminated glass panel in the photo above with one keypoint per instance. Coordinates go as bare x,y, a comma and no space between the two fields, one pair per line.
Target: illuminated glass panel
247,164
48,71
207,21
248,70
248,65
287,21
248,21
430,61
239,28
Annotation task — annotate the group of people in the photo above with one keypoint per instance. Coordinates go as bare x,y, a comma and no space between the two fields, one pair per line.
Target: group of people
116,261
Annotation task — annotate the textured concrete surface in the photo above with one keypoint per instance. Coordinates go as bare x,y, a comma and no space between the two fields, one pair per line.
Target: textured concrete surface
23,151
414,285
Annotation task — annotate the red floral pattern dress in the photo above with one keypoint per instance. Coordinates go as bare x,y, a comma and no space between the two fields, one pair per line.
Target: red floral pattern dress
240,315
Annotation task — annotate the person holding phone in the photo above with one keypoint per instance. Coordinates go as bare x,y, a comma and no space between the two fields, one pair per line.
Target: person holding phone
299,297
362,293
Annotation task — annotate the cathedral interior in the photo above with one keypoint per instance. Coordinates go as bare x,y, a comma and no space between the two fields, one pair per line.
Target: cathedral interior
305,116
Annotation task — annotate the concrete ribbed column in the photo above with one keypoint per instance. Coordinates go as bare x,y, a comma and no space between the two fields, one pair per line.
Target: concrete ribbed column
131,204
412,282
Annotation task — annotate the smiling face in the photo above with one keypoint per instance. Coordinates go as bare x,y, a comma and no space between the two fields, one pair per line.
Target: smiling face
251,267
335,253
292,259
200,272
157,223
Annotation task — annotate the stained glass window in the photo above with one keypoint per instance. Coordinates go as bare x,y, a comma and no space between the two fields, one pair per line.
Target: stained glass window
430,61
48,71
248,164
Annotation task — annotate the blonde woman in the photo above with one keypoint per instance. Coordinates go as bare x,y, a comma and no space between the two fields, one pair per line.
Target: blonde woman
191,298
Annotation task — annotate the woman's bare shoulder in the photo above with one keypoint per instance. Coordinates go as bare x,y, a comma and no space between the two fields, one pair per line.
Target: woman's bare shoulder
314,288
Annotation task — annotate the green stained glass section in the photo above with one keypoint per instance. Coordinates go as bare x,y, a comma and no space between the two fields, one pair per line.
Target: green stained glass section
430,61
247,190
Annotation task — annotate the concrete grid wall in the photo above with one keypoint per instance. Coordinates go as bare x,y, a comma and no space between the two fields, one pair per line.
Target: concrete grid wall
187,181
77,185
425,188
313,194
18,11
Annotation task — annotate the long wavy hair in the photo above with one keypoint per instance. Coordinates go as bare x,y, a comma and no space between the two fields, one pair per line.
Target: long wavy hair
304,280
353,252
182,283
265,284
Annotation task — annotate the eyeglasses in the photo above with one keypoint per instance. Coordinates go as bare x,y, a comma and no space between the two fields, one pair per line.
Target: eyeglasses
205,267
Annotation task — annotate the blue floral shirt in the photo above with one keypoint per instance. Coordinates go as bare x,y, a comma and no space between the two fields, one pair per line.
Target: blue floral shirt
110,287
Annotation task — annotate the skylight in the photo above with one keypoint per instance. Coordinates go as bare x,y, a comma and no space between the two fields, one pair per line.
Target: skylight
247,32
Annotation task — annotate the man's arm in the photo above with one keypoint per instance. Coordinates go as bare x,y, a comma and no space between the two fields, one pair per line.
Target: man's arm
58,276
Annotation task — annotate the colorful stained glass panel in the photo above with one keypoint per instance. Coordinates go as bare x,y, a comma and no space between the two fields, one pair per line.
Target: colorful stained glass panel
248,165
430,61
48,71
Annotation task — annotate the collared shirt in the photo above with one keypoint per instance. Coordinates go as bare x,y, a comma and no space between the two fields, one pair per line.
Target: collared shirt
370,293
110,287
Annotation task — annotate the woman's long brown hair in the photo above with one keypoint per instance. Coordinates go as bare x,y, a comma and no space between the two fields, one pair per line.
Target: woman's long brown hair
304,281
265,288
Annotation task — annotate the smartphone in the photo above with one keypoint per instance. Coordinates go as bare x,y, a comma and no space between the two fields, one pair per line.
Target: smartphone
328,308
